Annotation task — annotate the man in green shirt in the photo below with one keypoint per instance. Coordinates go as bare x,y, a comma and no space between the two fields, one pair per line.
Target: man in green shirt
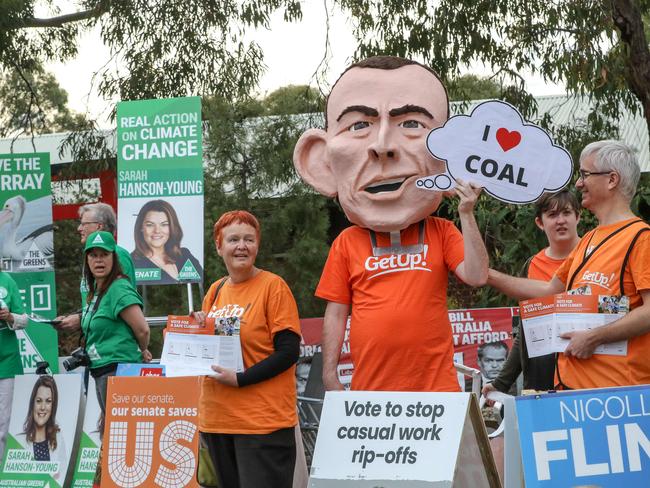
12,318
94,217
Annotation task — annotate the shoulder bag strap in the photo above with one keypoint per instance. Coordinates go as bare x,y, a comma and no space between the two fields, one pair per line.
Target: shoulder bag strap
621,286
586,256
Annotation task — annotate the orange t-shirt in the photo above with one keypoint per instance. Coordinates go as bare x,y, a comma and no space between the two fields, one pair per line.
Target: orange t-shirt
542,267
400,336
265,306
602,274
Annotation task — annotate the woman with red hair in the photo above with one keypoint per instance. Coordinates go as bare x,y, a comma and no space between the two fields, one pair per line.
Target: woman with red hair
247,419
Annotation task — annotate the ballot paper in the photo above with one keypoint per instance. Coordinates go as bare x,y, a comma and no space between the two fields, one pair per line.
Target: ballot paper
194,354
545,319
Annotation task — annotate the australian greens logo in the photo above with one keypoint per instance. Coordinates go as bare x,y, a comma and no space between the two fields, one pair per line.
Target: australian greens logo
4,293
188,272
98,239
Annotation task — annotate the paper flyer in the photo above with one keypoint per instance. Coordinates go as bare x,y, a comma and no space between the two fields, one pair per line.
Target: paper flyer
545,319
194,354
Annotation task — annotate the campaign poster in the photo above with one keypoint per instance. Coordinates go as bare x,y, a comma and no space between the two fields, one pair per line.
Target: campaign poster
482,340
160,188
42,431
595,437
151,435
484,337
27,249
90,441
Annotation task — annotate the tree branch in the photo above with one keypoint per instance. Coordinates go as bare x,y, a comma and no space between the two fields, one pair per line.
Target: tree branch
627,18
100,8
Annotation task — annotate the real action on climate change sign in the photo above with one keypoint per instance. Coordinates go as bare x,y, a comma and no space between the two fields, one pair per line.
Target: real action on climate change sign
27,249
160,188
586,438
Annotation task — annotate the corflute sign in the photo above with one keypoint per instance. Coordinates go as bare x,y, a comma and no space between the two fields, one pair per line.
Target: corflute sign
586,438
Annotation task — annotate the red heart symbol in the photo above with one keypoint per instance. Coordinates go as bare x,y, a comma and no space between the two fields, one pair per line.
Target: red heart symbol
507,139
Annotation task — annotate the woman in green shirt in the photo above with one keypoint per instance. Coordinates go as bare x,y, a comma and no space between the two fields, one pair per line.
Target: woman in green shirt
12,318
112,321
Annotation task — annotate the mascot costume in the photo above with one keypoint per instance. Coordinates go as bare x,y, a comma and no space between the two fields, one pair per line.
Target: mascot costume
391,268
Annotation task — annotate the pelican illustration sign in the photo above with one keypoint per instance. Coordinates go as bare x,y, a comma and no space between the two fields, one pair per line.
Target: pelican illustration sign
27,250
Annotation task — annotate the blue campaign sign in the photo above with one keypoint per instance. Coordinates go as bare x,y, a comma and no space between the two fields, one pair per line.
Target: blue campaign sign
588,437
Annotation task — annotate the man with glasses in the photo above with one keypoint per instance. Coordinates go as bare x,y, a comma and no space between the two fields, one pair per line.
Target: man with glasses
94,217
612,259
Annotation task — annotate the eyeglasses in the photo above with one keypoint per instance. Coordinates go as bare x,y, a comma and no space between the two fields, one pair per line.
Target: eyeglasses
84,224
586,174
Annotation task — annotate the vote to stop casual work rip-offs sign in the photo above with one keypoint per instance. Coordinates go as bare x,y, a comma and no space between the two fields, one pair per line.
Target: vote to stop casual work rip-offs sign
401,439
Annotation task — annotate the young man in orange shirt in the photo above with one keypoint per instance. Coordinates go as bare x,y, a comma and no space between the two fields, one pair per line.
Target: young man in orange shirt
612,259
557,215
391,268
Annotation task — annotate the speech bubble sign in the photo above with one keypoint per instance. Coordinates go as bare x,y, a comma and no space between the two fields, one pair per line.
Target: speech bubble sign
515,161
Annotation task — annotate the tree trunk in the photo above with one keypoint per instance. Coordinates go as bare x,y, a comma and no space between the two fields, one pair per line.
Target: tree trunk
627,18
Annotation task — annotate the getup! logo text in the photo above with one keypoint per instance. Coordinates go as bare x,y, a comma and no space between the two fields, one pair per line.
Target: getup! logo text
598,278
395,263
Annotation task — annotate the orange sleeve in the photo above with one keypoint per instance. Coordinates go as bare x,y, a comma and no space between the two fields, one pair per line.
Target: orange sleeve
454,247
281,309
563,271
334,284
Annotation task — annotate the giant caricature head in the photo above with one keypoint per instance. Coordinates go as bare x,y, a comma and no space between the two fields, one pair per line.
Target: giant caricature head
373,147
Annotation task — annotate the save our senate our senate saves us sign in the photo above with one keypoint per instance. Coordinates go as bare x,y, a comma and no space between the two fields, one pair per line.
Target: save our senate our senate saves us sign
160,188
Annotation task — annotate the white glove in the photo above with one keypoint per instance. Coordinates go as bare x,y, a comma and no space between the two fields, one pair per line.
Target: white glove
20,321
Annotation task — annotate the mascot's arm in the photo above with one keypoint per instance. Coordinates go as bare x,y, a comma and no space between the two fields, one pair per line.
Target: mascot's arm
523,288
474,269
336,316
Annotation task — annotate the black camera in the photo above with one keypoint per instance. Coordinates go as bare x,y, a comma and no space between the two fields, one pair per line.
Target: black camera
78,357
42,367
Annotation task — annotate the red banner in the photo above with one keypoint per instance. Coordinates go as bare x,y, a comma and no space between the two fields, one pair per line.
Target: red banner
470,328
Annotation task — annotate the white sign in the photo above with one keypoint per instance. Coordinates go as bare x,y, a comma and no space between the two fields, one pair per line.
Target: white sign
194,354
394,439
513,160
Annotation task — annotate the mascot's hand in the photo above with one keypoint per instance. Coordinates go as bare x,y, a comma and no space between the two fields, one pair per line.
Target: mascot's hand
468,194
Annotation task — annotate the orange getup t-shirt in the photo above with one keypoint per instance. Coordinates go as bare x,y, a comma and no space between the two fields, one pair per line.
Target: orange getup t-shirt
265,306
543,267
602,274
400,336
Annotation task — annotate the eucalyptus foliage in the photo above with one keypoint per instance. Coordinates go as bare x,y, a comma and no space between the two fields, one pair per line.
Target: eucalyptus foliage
250,148
596,48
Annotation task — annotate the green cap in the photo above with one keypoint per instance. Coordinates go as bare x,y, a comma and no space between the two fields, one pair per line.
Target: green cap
101,239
